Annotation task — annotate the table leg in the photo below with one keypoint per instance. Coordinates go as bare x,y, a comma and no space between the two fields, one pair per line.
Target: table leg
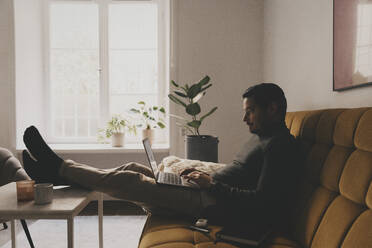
100,220
13,234
70,232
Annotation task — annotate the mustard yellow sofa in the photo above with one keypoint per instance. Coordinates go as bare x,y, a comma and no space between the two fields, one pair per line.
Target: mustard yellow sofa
335,201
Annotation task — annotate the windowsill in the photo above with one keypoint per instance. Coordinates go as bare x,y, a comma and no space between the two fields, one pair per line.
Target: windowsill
101,148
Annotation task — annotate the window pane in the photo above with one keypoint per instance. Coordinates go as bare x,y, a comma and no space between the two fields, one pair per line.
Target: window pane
74,63
133,26
133,55
133,71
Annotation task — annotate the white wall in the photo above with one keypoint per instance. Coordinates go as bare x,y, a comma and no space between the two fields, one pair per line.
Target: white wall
298,55
7,101
224,40
29,66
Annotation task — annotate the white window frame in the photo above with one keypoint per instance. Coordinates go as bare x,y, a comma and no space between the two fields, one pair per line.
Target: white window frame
104,101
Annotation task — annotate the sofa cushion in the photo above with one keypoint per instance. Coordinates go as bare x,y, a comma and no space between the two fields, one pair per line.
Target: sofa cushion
346,125
360,233
173,231
170,232
336,221
356,176
176,165
363,134
10,168
281,241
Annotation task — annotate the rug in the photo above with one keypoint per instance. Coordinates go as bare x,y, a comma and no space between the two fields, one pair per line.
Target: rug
118,232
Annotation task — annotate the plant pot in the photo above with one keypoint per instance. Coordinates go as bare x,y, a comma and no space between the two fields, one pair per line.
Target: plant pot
117,139
203,147
148,133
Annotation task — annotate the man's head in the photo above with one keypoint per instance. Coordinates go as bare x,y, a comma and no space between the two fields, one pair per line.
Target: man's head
265,106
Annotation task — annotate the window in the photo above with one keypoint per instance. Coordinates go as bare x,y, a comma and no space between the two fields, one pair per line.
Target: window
102,58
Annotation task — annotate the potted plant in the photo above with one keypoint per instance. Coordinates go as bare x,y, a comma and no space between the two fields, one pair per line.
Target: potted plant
115,130
151,117
201,147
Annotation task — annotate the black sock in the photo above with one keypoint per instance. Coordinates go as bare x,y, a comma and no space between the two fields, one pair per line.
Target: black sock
39,148
32,169
41,172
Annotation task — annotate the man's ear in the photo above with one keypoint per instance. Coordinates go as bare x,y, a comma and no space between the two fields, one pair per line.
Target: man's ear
272,108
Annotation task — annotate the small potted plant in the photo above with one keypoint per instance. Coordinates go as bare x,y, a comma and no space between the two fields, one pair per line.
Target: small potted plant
201,147
115,130
150,117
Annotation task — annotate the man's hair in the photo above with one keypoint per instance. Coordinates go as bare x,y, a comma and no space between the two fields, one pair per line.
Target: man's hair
266,93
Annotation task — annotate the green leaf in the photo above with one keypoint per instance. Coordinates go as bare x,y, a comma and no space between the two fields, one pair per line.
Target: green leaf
205,88
162,110
146,114
180,93
198,97
194,90
193,109
208,114
204,81
195,124
154,108
142,102
134,110
174,84
176,100
184,89
161,125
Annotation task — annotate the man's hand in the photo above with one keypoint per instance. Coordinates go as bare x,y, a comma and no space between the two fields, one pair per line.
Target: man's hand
187,171
202,179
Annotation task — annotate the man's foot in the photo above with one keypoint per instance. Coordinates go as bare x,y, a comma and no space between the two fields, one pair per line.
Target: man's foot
39,148
41,172
31,167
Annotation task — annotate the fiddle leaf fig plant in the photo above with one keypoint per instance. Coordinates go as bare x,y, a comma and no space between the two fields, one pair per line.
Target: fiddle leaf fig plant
149,115
188,97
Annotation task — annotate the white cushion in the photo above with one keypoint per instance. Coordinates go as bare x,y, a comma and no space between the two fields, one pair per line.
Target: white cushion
177,165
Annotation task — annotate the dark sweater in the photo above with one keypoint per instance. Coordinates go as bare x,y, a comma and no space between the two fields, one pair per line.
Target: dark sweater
258,185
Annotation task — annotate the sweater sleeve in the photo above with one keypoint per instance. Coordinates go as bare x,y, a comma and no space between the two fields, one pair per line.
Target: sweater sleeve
275,179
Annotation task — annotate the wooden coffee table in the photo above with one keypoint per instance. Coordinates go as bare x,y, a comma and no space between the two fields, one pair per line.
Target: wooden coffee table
67,203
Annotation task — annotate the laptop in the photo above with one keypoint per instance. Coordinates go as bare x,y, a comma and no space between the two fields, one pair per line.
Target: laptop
165,178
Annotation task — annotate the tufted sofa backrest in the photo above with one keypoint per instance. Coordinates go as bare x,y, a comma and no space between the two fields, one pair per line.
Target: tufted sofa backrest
335,202
10,168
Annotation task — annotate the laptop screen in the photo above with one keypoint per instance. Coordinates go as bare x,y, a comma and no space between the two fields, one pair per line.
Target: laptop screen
150,156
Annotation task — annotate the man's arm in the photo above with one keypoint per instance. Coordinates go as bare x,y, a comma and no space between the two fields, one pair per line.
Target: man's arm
276,181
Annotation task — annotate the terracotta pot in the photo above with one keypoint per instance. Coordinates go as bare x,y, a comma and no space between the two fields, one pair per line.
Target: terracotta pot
117,139
148,133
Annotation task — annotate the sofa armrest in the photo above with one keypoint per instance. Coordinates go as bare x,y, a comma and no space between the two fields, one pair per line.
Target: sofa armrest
10,168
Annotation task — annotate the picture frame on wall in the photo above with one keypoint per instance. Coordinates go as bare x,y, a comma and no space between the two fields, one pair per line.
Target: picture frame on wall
352,44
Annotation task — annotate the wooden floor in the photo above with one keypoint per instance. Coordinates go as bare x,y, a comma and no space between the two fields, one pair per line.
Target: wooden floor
113,208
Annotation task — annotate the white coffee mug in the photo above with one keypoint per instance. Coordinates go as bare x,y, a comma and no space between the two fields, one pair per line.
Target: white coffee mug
43,193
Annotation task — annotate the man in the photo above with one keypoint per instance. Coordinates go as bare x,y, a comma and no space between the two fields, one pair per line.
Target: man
256,187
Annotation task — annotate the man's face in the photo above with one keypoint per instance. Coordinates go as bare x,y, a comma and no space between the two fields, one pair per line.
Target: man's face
255,116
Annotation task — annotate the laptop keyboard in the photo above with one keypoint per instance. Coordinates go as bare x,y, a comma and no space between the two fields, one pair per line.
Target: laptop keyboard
169,178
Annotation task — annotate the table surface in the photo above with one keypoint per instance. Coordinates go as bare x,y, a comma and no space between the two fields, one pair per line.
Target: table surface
67,202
